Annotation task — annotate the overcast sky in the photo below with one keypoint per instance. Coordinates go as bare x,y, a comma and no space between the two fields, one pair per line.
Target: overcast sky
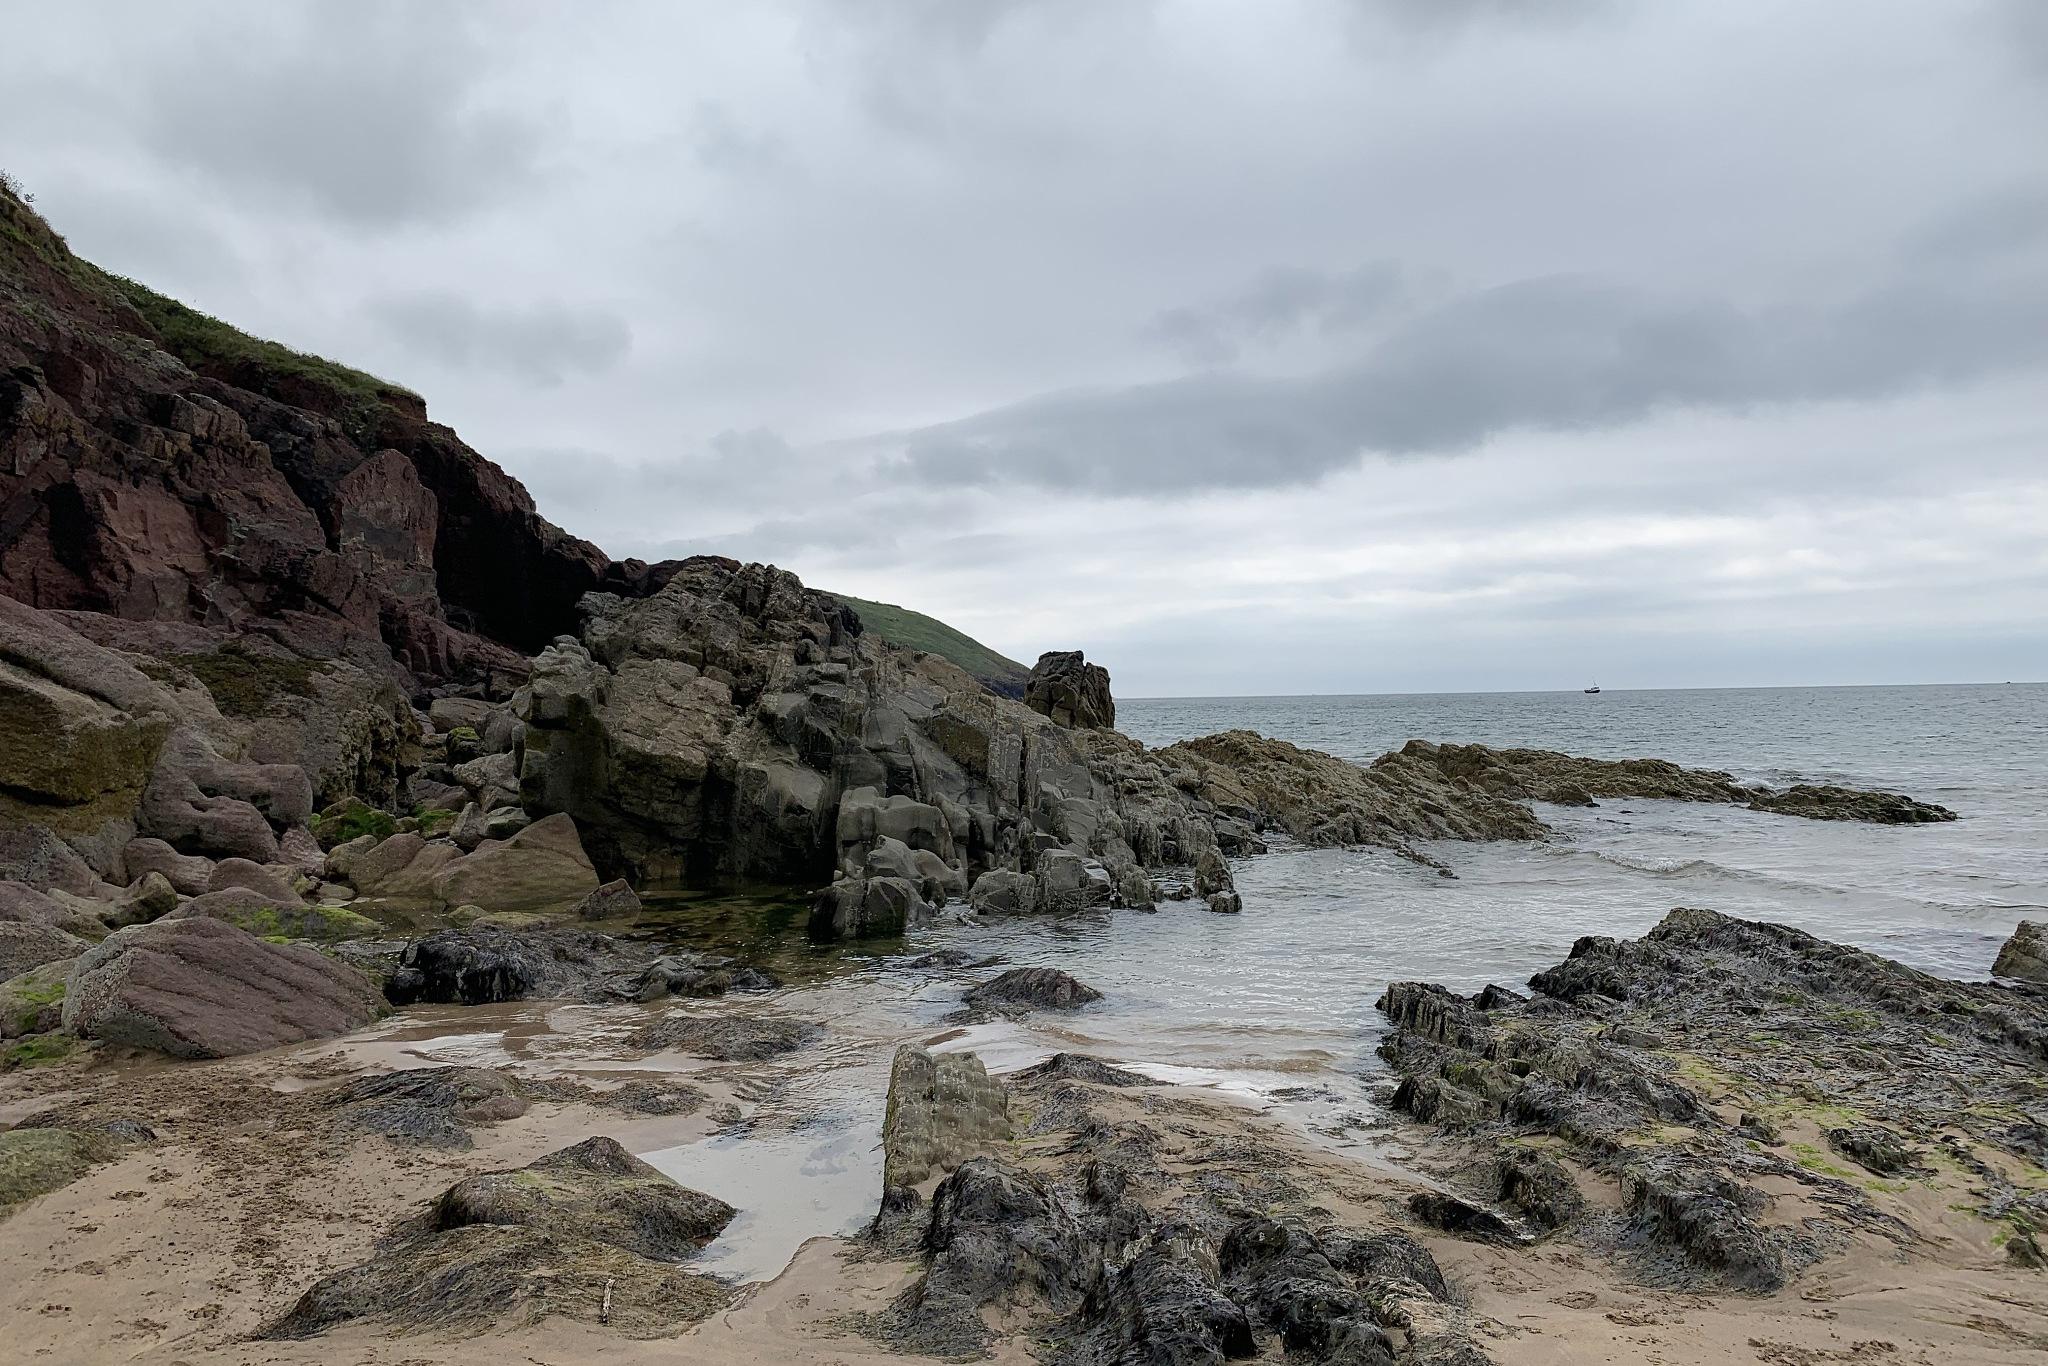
1290,346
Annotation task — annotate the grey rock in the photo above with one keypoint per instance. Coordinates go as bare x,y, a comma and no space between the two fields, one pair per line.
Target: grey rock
1032,988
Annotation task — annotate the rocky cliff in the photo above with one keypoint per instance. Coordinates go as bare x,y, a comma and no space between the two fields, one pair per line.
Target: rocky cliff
158,466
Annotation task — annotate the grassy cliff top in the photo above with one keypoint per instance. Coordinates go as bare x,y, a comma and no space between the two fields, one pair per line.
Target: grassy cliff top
916,631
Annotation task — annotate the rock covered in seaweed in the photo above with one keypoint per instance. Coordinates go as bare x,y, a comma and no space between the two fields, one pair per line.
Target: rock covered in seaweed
589,1232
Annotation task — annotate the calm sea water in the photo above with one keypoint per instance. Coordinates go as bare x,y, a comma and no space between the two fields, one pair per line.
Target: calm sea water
1287,988
1275,1005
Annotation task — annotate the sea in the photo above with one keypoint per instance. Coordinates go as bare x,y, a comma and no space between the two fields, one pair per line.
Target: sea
1274,1007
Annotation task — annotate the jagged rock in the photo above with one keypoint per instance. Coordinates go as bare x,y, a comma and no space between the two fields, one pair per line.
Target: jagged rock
594,1190
943,1108
612,901
568,1234
199,988
1030,988
1538,1185
431,1107
2025,955
1072,692
1830,803
1068,882
25,945
1876,1149
726,1038
1460,1217
188,874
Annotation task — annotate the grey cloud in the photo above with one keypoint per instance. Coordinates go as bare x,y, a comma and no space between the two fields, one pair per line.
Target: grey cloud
544,343
1280,302
353,109
1565,352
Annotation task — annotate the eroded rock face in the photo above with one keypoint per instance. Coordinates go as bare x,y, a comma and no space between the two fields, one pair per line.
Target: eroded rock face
567,1234
1070,690
200,988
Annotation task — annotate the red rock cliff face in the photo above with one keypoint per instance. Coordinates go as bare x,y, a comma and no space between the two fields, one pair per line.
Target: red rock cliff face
157,466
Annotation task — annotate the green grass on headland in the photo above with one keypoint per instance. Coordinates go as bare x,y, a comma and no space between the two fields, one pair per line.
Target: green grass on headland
915,631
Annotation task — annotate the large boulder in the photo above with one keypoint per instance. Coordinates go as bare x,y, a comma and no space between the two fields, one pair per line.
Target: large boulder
2024,957
943,1109
270,917
201,988
594,1190
1070,690
543,867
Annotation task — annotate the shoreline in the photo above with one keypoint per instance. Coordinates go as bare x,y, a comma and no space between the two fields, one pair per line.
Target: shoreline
182,1247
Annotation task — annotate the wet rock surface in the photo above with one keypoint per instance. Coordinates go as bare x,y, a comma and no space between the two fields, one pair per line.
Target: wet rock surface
1721,1071
429,1107
1031,989
727,1038
1104,1250
588,1233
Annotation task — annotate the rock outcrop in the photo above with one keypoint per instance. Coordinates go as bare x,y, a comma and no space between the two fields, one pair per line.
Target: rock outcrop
736,726
1643,1063
2024,957
943,1109
201,988
158,466
1070,690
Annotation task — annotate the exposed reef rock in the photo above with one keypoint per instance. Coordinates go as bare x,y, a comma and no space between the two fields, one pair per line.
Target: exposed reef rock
1106,1250
1031,988
1704,1067
943,1109
589,1233
1070,690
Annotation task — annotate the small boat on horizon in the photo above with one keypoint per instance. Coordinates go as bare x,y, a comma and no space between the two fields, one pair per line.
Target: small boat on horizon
1594,688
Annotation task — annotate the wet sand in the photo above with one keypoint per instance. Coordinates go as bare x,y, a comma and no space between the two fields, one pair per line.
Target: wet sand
181,1250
